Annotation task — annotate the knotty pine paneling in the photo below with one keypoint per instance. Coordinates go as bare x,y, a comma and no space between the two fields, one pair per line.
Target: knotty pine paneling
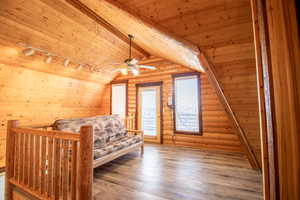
217,129
223,29
62,29
36,97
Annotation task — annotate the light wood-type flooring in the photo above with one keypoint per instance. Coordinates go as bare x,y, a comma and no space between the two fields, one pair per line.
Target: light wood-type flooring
175,173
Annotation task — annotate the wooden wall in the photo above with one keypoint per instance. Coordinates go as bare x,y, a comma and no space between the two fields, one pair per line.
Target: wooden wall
38,97
223,29
217,130
35,92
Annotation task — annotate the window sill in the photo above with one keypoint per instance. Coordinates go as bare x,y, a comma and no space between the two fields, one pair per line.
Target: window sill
188,133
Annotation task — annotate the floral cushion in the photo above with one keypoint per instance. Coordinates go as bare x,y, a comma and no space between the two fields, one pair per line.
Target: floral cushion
106,128
116,146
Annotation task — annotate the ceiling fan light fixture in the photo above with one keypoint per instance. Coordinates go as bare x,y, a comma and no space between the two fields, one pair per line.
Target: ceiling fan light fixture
135,71
130,64
124,71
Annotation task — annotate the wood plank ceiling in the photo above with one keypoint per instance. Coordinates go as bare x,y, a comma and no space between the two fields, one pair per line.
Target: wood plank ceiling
62,29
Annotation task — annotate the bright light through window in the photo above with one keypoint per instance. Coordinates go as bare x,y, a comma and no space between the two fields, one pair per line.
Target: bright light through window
187,103
118,99
149,110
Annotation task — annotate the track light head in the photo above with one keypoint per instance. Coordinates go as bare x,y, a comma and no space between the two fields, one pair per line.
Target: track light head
66,62
48,59
28,52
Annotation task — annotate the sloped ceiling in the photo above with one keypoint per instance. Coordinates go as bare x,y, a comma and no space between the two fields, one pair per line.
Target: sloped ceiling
62,29
207,23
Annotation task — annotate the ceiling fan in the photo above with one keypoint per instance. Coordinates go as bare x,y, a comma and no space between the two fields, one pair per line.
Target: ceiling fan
131,64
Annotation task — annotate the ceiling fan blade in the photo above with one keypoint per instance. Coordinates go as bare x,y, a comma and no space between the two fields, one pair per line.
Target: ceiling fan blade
135,70
147,67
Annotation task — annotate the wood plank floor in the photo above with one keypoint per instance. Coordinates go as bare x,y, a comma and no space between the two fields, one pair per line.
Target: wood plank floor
174,173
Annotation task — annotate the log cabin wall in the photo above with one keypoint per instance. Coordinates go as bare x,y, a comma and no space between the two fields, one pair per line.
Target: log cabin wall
217,129
223,29
36,97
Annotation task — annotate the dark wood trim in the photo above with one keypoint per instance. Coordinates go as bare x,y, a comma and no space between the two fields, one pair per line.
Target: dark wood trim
2,169
149,84
174,76
186,74
119,82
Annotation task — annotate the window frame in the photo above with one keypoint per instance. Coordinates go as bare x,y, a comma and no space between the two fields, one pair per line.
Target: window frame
174,76
126,94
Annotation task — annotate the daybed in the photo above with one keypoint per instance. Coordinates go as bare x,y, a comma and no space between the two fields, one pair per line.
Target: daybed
111,139
56,161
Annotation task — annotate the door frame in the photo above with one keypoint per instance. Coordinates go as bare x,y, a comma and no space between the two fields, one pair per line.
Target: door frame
149,84
279,150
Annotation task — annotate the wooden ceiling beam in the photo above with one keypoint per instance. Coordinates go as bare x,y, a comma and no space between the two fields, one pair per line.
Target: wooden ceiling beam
154,39
103,23
211,74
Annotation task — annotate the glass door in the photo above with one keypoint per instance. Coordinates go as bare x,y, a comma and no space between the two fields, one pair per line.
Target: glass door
149,112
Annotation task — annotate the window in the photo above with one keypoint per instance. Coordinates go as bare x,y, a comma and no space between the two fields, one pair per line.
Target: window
119,99
186,100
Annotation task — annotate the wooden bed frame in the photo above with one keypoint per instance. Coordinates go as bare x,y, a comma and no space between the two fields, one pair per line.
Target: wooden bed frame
50,164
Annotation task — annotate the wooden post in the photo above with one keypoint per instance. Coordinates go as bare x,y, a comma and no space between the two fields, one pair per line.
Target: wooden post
9,165
264,93
86,162
283,36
